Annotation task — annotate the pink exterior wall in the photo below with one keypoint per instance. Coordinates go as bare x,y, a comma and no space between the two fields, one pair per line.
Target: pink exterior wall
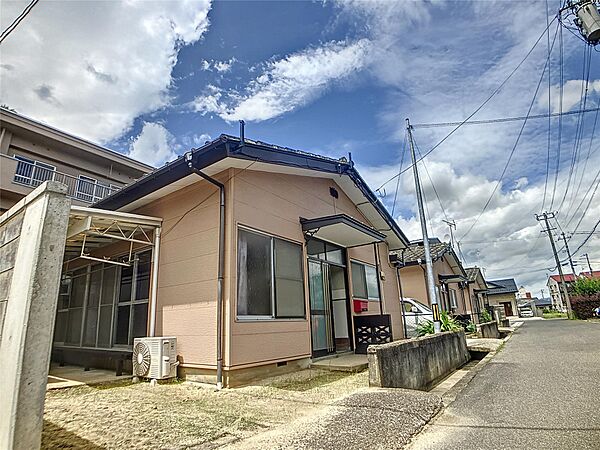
268,202
414,284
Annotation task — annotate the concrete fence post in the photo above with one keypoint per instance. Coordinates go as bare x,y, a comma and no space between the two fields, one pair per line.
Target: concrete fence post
32,243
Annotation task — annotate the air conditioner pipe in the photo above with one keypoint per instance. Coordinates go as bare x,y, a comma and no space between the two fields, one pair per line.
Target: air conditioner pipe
221,269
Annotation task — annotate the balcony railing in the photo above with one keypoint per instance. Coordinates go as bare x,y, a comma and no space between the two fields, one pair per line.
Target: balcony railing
82,188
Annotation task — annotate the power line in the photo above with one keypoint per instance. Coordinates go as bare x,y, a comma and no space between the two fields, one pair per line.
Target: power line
478,108
587,237
512,152
505,119
9,29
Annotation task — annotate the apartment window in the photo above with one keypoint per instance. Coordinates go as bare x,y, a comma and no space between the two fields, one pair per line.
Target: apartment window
31,172
364,281
270,277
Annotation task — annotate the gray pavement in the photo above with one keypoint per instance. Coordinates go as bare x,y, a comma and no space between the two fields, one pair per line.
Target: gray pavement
541,391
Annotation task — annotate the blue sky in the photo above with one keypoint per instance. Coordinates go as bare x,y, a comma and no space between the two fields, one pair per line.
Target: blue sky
153,79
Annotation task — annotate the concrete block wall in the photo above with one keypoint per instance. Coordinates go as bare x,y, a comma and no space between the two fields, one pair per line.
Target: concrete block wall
32,243
488,330
417,363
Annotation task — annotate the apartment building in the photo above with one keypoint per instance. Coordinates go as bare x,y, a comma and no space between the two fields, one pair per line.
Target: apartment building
32,152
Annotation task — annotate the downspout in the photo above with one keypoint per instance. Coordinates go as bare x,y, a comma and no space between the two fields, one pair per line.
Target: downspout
154,295
221,268
401,301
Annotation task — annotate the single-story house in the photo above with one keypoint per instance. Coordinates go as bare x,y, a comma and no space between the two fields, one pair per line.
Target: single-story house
477,293
451,280
261,259
503,293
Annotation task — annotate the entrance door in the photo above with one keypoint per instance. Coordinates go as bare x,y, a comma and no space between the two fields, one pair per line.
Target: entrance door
320,309
328,308
507,309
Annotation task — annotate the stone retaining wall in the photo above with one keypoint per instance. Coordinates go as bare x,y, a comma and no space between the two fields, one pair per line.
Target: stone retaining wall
417,363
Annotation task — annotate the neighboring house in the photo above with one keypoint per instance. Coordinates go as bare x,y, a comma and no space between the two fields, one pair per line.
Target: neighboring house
305,270
503,293
543,303
32,152
477,288
450,277
558,302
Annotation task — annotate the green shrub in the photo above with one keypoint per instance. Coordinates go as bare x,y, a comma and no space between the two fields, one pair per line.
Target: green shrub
447,323
586,286
471,327
486,316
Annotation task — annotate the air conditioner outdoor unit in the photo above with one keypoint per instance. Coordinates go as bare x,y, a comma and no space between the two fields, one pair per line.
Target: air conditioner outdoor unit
155,357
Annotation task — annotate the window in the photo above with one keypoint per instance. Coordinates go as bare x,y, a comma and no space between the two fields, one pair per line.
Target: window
103,305
132,308
364,281
324,251
453,303
270,277
33,173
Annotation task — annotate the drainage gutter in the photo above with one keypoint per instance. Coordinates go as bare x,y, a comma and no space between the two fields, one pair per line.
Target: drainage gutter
221,268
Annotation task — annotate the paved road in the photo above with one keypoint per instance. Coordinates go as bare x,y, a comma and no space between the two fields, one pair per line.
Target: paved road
542,391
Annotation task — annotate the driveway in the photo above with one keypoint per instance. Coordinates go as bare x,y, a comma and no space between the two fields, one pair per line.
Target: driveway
542,391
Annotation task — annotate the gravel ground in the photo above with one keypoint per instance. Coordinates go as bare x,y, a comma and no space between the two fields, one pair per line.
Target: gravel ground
183,415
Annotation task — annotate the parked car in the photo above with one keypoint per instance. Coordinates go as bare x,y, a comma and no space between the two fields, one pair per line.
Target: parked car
525,311
415,312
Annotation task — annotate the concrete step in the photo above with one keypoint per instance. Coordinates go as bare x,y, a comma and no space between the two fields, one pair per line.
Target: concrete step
342,363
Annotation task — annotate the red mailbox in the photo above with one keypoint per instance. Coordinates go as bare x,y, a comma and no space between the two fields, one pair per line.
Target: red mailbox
360,305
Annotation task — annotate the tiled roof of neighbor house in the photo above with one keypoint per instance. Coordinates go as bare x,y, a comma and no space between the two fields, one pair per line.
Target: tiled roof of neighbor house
543,301
416,251
504,286
569,277
472,273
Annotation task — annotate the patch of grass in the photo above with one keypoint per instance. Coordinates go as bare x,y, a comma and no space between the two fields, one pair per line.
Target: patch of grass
554,315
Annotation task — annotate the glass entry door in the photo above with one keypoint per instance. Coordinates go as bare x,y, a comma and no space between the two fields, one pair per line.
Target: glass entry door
320,309
328,308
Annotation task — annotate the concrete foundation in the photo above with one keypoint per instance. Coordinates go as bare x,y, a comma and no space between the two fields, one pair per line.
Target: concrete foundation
417,363
32,242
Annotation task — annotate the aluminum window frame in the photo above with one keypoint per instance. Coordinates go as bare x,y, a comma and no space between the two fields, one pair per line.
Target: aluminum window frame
363,267
273,316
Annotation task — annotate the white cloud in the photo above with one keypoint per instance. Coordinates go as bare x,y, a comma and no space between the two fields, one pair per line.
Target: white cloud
90,68
572,93
219,66
154,145
287,83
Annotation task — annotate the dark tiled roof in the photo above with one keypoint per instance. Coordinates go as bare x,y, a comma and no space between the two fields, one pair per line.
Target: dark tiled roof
543,301
505,286
472,273
416,251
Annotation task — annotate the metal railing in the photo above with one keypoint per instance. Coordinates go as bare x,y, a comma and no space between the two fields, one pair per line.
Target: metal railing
83,189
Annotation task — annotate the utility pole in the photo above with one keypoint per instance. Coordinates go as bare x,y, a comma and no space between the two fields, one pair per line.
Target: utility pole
587,257
452,225
428,262
564,238
545,216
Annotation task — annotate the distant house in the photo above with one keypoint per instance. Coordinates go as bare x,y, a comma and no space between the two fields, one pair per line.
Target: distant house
477,289
503,293
558,302
451,280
